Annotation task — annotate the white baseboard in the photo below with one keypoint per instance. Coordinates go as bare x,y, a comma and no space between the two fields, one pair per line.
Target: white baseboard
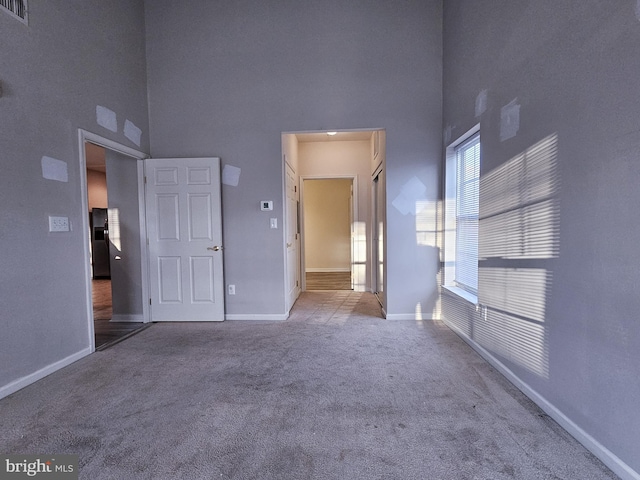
607,457
16,385
256,316
406,316
327,270
127,318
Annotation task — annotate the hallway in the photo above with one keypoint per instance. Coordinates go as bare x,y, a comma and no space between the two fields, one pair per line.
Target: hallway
335,392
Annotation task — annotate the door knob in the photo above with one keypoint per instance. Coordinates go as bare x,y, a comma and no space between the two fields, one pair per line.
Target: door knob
215,248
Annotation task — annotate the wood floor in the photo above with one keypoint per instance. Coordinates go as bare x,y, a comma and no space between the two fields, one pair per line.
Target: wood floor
328,280
109,333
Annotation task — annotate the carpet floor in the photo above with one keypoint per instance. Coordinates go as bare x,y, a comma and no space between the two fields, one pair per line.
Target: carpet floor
335,392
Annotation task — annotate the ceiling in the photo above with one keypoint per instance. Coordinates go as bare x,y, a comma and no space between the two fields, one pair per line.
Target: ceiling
95,157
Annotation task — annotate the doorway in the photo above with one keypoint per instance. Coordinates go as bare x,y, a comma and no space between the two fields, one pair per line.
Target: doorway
328,234
351,154
113,226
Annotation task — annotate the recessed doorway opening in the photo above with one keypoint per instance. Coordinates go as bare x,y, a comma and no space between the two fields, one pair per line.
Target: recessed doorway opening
358,157
328,233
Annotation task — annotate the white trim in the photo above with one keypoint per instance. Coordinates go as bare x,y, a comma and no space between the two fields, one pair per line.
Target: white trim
607,457
84,202
88,137
463,138
469,297
127,318
256,316
144,251
327,270
16,385
406,316
449,181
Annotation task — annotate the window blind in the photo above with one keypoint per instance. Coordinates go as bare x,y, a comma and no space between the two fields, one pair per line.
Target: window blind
467,202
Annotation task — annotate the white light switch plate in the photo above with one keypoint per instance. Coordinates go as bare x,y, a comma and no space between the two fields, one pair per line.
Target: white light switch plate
58,224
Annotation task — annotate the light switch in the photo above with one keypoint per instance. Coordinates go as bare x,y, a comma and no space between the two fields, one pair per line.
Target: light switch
266,205
58,224
274,223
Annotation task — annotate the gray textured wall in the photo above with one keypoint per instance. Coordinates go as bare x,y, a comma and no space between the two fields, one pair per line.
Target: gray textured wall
127,270
72,56
227,78
565,322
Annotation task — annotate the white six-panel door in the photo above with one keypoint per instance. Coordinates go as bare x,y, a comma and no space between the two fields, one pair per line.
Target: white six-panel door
184,228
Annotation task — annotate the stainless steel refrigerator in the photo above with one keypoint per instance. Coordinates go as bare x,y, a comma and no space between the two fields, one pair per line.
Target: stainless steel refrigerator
100,243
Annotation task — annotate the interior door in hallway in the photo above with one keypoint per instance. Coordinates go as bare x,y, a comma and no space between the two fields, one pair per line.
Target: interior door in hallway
184,229
292,237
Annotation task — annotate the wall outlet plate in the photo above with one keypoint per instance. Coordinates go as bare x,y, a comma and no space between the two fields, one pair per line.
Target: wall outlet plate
266,205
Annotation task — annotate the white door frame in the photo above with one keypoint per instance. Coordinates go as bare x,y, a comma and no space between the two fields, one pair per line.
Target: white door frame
354,218
85,136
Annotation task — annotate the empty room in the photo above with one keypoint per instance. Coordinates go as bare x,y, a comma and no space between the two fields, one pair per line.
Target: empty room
486,324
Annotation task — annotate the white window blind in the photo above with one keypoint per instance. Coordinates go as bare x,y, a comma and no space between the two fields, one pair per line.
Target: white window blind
467,201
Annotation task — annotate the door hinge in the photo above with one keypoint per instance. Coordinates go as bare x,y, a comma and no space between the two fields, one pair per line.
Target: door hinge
295,188
149,300
145,179
297,284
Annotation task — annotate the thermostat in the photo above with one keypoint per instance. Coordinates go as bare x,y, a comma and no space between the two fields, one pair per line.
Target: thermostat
266,205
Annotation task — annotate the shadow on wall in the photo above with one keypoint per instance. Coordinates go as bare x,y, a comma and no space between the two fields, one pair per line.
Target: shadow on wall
518,240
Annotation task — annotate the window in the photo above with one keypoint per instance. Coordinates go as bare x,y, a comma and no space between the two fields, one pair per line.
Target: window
462,189
17,8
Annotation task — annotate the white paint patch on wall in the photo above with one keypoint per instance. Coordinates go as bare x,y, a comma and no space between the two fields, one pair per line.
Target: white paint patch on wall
132,132
481,103
53,169
106,118
509,120
411,195
231,175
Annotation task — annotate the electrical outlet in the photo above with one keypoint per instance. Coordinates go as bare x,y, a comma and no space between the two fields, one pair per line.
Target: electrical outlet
58,224
232,289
